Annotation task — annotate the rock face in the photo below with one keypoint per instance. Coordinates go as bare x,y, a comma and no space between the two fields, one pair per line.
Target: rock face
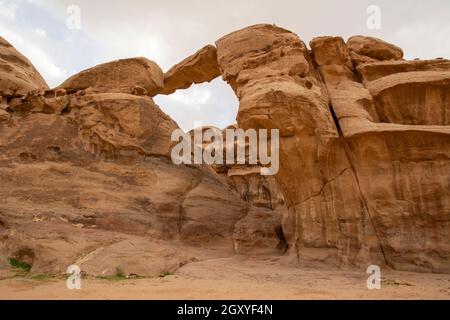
17,74
114,125
198,68
94,186
135,75
245,179
272,73
364,160
261,191
396,129
363,163
261,230
87,179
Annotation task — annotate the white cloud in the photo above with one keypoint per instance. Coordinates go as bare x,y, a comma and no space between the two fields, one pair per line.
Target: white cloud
211,103
51,72
41,32
8,10
36,54
195,97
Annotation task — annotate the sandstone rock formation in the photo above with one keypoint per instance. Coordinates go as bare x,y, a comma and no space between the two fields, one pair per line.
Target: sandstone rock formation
87,179
261,191
17,74
40,101
94,186
272,73
121,125
246,178
345,182
198,68
260,231
395,125
374,48
135,75
364,160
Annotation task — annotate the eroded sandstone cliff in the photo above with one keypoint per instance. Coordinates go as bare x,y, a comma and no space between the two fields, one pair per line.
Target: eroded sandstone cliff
364,162
86,179
364,176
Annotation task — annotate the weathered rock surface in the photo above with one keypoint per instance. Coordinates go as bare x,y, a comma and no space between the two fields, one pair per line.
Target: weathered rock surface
364,165
17,74
40,101
87,180
395,125
86,188
200,67
245,178
62,205
374,48
4,115
116,125
138,76
144,218
272,73
261,191
364,161
261,230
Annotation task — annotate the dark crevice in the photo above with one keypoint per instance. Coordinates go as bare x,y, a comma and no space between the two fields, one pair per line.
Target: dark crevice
336,121
66,110
282,246
363,199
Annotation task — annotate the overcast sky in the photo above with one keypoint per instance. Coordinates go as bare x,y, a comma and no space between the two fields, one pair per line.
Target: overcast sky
168,31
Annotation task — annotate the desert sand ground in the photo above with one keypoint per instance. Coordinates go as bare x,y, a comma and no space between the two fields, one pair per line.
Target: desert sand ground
235,278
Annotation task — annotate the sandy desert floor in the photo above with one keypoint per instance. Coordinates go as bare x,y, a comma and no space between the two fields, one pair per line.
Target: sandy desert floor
235,278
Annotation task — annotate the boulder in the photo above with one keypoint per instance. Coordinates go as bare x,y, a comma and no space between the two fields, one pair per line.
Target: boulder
260,232
374,48
133,76
120,125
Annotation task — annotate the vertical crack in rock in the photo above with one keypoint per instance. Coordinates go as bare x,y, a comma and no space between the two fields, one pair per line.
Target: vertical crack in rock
363,199
391,116
333,63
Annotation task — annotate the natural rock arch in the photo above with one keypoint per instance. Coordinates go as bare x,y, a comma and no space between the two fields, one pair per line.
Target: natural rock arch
336,105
